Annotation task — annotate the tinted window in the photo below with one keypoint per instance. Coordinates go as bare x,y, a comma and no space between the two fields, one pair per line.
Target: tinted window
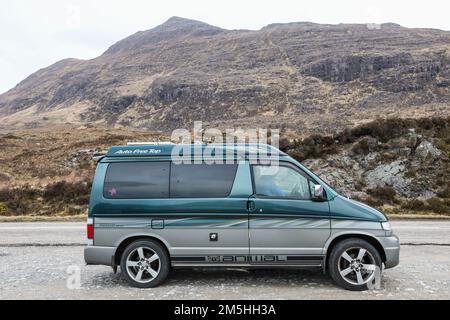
282,182
137,180
202,180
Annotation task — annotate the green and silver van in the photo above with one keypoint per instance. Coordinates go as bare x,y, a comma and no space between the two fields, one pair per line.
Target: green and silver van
155,207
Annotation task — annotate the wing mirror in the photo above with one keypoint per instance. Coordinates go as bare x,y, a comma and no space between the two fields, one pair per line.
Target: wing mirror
318,192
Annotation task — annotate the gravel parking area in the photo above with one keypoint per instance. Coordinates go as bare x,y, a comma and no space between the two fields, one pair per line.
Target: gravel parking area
35,265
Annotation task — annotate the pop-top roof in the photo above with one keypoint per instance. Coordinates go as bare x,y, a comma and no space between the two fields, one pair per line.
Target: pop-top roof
164,150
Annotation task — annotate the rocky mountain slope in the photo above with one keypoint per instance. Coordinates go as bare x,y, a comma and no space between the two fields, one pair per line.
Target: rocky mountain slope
298,76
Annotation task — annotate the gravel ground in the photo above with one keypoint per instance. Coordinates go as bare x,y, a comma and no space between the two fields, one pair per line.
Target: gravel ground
33,266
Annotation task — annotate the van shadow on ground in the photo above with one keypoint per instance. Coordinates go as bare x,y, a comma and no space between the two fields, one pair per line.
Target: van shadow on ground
233,277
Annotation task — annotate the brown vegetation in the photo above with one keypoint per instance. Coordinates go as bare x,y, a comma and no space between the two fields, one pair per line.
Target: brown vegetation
382,130
55,199
50,172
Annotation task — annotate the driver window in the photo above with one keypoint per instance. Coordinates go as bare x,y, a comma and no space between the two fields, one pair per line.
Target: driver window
280,181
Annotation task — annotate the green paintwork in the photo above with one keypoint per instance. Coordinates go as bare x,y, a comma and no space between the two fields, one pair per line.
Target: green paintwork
344,208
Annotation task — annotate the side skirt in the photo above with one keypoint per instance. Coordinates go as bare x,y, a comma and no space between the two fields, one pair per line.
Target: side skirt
296,261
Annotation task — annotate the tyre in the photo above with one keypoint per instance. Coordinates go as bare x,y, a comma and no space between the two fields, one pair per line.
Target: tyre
145,264
355,264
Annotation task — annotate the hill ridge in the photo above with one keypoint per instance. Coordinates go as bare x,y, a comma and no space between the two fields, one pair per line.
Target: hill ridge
290,75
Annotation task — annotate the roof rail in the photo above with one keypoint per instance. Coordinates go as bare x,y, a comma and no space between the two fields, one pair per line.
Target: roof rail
167,149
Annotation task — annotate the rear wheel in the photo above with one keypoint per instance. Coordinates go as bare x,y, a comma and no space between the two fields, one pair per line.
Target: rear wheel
145,264
355,264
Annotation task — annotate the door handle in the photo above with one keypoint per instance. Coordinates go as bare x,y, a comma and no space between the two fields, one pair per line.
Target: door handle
251,206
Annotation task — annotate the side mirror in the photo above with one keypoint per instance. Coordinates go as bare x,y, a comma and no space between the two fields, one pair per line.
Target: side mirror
318,192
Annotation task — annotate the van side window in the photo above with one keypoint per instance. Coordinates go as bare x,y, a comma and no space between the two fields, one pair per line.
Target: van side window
280,182
202,180
137,180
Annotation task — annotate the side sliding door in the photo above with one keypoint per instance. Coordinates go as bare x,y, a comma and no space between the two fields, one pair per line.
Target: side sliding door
209,221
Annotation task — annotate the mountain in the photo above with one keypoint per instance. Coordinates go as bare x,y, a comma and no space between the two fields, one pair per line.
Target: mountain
298,76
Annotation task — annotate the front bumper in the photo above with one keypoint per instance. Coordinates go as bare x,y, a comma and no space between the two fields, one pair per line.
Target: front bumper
95,255
391,246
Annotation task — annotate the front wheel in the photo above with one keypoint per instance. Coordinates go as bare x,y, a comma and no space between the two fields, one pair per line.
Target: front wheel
145,264
355,264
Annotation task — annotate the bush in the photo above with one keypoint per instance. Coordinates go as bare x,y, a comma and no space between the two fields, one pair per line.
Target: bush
385,157
360,184
387,129
387,194
415,205
435,205
373,202
3,209
19,201
297,155
73,193
362,147
439,206
444,145
444,193
380,129
57,197
314,146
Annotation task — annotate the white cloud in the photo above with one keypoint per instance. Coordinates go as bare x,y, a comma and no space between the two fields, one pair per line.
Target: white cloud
35,34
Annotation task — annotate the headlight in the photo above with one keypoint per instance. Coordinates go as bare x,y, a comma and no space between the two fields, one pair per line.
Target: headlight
386,226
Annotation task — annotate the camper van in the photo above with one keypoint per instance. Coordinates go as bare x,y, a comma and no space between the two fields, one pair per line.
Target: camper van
156,207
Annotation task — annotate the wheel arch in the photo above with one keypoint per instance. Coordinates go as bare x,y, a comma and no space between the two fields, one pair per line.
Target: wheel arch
332,242
133,238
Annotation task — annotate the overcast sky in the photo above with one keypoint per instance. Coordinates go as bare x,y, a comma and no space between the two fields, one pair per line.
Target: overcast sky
35,34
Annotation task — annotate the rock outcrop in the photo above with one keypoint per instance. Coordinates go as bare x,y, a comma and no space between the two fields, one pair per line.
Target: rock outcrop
403,159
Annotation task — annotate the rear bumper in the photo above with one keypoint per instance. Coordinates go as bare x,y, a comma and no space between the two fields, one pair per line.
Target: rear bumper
95,255
391,247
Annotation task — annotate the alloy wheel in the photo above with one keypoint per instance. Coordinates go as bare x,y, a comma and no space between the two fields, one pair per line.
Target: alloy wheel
357,266
143,264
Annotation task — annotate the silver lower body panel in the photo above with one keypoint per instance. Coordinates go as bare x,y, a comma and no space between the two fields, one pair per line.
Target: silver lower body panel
95,255
391,246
